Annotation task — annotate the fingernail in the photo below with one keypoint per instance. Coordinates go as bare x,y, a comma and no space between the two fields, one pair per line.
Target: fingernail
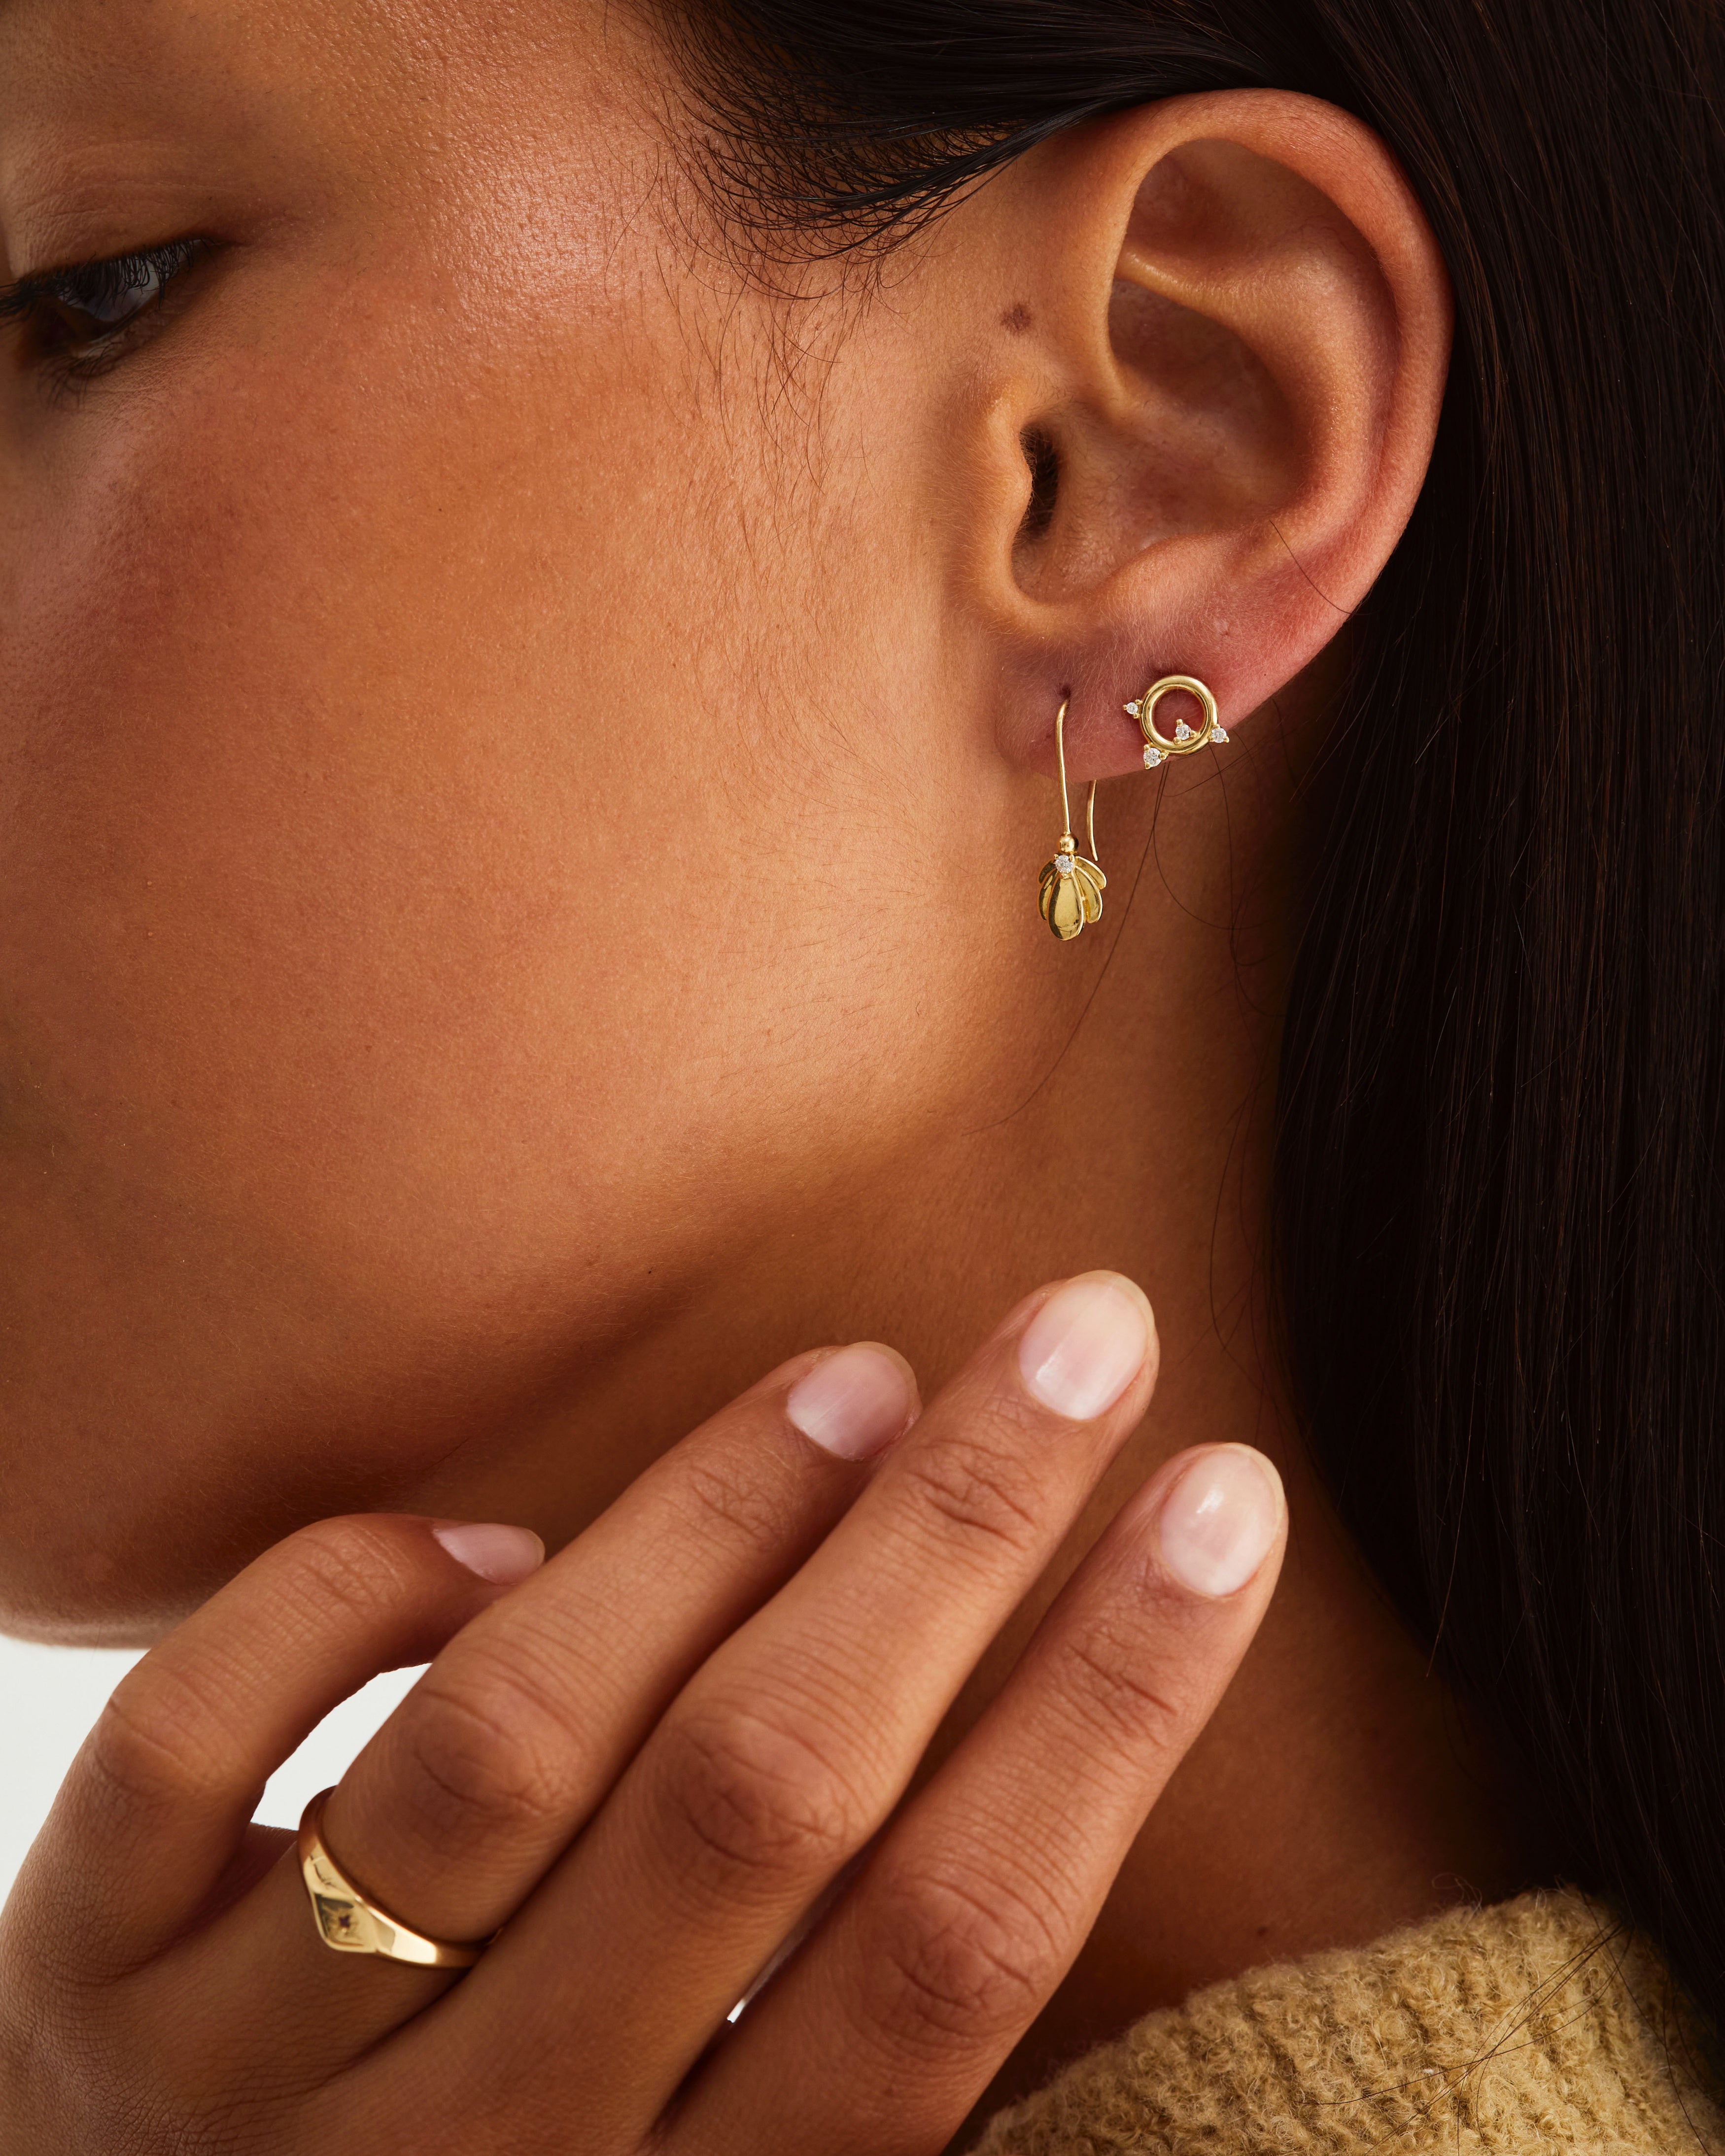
1086,1344
1220,1519
856,1402
502,1555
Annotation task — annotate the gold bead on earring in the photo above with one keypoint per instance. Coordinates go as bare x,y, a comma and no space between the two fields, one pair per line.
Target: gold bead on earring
1071,886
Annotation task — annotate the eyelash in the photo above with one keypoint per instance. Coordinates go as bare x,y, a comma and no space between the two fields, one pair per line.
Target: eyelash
41,304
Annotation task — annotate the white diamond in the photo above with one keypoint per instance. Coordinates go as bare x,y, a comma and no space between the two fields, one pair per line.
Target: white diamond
1131,711
1182,731
1063,864
1153,756
1218,733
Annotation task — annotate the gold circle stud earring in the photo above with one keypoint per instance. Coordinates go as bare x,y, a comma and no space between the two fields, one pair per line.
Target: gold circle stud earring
1070,893
1184,740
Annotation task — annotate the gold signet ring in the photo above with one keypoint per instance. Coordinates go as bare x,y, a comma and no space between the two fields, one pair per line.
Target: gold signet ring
351,1922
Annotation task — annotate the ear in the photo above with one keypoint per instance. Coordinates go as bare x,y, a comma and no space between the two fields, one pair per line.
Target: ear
1212,383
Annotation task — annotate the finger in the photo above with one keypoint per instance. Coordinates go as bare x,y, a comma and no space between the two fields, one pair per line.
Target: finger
894,2017
452,1813
785,1753
502,1751
156,1806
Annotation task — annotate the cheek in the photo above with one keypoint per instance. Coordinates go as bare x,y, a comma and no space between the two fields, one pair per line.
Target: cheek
319,890
409,892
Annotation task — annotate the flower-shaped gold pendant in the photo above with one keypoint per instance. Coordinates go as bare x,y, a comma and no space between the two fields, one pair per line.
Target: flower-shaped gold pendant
1069,895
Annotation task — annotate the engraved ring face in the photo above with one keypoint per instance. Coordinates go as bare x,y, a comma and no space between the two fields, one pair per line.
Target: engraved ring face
351,1922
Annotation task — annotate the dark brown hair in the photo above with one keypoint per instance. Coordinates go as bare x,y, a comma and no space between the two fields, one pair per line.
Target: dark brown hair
1501,1224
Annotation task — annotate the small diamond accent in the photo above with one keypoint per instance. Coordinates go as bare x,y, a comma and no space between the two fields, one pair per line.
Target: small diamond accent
1063,864
1153,756
1182,731
1131,711
1218,733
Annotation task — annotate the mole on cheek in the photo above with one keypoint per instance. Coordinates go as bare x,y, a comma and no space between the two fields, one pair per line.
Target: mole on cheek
1017,317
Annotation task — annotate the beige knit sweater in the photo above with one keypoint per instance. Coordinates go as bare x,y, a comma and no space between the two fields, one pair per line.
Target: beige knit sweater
1532,2027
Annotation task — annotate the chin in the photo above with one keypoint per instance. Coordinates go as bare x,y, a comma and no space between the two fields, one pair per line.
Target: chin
113,1546
57,1589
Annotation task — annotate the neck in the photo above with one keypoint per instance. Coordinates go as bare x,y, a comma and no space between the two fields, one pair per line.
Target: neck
1331,1798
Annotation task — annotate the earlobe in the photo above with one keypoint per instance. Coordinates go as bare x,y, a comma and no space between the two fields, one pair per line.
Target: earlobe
1246,323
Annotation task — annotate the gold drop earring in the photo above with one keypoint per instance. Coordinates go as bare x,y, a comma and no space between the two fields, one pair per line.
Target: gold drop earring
1070,893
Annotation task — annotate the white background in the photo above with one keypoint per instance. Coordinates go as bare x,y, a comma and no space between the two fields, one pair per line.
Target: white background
51,1695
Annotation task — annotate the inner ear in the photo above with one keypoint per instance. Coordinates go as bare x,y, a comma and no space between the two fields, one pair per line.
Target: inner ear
1193,435
1044,460
1211,209
1207,395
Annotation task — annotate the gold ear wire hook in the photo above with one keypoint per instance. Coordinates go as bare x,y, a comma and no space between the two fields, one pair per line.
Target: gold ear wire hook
1090,803
1071,887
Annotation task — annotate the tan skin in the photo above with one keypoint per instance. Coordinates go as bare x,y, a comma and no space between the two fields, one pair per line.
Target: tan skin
526,752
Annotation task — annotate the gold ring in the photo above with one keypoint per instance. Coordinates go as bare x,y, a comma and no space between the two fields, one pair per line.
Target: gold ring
352,1922
1183,741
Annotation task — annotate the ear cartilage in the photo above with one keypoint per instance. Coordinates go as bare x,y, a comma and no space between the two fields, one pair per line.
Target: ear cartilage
1184,739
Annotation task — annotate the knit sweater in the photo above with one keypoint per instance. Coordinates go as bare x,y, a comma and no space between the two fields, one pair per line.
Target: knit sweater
1536,2025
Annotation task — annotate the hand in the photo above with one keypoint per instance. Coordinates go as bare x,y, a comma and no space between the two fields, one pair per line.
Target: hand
647,1762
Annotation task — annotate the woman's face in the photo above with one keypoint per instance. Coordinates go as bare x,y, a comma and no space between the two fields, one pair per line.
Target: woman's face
484,759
